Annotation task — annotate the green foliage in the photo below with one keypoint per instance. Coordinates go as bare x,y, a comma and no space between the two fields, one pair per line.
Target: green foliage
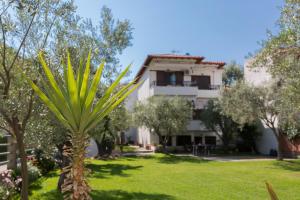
163,116
33,172
232,73
248,133
44,162
246,104
9,185
280,54
220,123
72,103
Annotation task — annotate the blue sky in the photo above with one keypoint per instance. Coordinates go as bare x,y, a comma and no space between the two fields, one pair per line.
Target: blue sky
220,30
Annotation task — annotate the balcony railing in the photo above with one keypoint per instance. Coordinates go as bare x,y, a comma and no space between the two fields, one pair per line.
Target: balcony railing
186,84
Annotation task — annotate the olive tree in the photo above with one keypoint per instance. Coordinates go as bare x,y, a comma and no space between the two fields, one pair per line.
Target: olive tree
246,104
220,123
163,116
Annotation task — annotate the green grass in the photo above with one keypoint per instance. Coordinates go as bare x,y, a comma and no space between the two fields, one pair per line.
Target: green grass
128,149
163,177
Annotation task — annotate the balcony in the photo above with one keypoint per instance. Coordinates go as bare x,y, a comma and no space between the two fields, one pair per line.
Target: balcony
173,90
188,88
213,93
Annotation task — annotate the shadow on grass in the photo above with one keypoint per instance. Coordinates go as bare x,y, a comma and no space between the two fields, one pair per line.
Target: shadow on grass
51,195
106,170
174,159
291,165
124,195
109,195
37,184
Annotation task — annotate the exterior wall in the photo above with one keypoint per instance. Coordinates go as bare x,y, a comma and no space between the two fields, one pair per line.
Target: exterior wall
92,149
256,76
200,97
266,141
143,92
143,136
173,90
260,77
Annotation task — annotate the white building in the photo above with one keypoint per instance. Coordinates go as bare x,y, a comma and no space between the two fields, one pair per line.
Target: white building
178,75
259,76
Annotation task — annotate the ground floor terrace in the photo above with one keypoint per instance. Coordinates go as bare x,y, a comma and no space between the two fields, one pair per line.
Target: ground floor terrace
194,137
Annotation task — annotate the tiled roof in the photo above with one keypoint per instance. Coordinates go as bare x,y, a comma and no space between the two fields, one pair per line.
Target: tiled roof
198,60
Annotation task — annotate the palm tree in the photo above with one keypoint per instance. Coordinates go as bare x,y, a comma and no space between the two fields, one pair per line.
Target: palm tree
73,103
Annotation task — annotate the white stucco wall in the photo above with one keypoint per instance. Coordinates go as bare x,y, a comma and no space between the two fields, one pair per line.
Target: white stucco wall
260,77
256,76
147,89
92,149
266,141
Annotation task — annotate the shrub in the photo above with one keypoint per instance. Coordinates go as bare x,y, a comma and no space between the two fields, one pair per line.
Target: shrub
44,162
9,184
33,172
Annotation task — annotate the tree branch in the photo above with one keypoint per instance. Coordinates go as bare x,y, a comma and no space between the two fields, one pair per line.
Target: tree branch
48,32
4,10
5,129
5,115
23,40
4,53
29,111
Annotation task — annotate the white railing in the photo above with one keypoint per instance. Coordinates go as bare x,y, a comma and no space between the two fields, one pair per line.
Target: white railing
186,84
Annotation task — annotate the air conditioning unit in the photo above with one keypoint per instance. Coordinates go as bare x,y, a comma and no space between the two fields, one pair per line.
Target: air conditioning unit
186,72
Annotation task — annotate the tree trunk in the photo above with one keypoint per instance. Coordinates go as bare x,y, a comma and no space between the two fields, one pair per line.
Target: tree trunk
279,152
225,144
23,159
24,170
18,132
279,146
75,183
65,162
12,156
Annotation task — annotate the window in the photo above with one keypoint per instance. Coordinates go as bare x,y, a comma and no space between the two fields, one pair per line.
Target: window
164,78
182,140
172,78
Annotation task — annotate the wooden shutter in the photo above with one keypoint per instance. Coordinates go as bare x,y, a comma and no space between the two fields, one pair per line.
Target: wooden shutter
179,78
160,78
203,82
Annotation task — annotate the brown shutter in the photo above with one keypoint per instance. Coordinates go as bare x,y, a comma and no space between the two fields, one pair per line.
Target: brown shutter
179,78
160,78
203,82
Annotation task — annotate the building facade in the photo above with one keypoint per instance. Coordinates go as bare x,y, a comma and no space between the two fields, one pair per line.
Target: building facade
178,75
259,76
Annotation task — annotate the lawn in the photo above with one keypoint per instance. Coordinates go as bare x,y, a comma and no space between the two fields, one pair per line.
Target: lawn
163,177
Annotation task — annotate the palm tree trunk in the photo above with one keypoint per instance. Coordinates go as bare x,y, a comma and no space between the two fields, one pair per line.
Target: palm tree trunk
75,184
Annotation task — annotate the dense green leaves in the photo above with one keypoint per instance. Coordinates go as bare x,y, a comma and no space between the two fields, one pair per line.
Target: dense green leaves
163,116
75,110
232,74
